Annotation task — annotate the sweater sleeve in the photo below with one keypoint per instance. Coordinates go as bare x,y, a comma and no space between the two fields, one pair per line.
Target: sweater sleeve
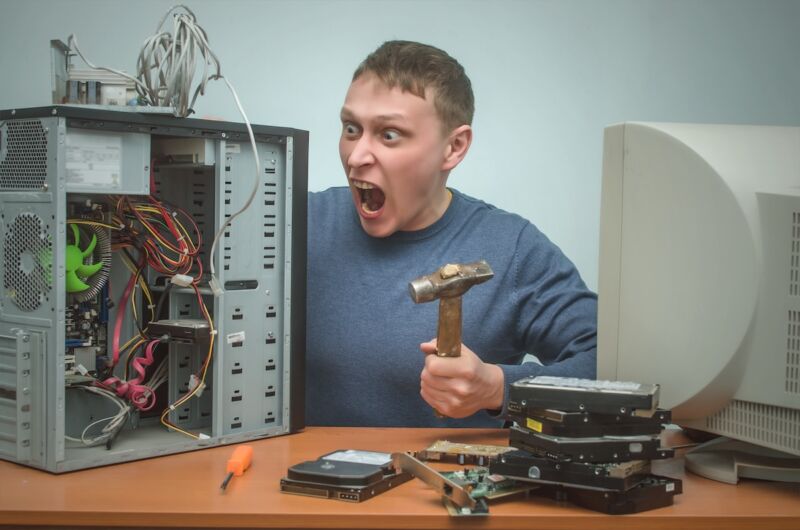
556,314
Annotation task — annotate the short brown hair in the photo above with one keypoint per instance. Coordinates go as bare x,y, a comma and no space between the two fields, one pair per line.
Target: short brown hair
415,67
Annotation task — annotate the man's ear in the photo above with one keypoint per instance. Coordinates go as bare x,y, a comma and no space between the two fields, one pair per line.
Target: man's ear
457,146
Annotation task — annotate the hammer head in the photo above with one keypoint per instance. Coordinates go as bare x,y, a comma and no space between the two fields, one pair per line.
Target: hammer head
449,281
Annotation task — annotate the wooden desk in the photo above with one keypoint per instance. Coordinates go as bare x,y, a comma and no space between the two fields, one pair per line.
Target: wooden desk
183,491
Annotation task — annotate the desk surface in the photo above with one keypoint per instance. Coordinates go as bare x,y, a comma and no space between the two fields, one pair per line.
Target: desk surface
183,491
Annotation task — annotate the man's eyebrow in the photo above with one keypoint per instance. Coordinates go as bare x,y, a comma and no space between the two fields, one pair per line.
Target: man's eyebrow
346,114
390,117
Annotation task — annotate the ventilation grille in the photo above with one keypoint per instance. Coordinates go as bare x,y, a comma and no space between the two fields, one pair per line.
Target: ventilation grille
767,425
27,262
270,200
228,191
793,353
24,166
794,266
201,195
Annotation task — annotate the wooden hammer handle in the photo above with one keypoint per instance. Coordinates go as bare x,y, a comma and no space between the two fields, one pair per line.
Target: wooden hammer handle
448,336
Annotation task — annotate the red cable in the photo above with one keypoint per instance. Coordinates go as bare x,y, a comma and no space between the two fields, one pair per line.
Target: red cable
118,324
141,396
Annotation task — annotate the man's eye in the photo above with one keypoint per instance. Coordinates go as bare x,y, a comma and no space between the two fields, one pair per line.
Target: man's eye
391,135
350,129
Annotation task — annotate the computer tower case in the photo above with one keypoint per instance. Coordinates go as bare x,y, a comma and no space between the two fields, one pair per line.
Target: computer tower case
100,212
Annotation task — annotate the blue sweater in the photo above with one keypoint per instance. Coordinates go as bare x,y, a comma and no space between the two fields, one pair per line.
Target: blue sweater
364,331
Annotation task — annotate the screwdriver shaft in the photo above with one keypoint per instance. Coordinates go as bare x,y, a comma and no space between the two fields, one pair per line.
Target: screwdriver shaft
228,478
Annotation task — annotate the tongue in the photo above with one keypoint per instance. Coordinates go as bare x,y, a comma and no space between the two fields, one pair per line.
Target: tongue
374,199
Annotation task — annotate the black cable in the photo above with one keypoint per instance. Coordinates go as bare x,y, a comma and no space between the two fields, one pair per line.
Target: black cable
162,298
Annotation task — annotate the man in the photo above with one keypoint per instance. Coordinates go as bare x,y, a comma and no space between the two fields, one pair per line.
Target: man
406,124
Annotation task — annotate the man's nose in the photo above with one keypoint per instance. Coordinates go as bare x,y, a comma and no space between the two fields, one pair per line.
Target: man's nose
362,153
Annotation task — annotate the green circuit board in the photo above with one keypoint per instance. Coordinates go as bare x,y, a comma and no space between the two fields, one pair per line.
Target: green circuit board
483,485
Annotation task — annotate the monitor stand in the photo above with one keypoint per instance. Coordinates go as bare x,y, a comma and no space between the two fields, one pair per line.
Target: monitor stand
727,460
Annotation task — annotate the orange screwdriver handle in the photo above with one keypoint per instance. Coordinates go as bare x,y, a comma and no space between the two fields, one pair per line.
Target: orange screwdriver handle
240,460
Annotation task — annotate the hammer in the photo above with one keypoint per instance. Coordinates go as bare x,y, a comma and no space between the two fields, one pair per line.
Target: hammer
449,284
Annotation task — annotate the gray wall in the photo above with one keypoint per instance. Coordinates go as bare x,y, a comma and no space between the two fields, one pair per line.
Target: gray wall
548,76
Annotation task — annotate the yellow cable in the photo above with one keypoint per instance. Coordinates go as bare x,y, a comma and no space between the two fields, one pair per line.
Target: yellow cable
207,363
135,347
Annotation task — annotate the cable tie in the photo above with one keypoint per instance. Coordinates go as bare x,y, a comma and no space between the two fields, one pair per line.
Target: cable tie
213,332
172,408
151,306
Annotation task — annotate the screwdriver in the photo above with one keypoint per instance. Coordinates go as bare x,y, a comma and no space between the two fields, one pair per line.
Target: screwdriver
238,463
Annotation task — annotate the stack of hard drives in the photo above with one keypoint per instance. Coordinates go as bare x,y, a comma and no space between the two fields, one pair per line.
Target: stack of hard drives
589,442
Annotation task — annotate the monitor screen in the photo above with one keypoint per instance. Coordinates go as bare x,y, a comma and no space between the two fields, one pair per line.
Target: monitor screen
699,274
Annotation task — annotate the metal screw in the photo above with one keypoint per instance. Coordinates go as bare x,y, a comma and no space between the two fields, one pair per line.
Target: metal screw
266,292
26,425
26,443
224,135
25,338
54,112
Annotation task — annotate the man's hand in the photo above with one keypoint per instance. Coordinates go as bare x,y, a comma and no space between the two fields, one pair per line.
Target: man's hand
458,387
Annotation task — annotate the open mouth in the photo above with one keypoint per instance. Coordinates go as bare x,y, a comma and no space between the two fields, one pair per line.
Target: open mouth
372,197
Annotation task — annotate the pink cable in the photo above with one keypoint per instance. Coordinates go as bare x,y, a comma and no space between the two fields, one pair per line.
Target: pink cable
141,396
120,317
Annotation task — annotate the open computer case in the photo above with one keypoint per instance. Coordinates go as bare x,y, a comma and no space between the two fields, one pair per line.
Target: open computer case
88,200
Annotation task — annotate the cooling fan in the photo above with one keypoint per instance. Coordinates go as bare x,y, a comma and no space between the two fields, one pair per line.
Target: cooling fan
84,280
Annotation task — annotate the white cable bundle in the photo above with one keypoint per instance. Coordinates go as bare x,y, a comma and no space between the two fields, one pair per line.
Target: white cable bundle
113,423
167,63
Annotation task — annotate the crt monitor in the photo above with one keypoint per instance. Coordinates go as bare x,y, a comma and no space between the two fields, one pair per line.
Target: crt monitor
699,276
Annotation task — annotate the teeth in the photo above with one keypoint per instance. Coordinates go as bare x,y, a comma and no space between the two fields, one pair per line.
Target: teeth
365,206
362,185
